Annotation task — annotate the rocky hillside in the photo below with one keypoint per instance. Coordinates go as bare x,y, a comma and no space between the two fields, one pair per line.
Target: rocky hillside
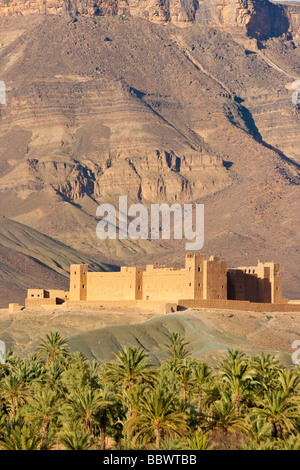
102,102
29,259
259,18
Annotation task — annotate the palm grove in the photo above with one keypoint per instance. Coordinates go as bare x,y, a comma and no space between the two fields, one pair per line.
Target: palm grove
55,399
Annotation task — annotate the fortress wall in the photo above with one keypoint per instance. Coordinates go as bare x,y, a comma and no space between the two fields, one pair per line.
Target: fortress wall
47,293
244,286
239,305
167,284
123,285
35,302
101,303
56,293
14,307
161,307
261,283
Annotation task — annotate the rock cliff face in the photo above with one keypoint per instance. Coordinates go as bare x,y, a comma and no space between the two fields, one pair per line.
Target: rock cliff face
102,106
259,18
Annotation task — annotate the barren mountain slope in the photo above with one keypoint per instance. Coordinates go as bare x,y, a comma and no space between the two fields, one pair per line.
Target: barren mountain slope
29,259
102,106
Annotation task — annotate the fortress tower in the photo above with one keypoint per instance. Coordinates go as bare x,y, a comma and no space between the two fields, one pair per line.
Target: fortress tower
78,282
194,267
261,283
215,279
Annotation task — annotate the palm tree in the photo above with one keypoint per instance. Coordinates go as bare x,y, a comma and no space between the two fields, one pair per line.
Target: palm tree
54,376
157,418
72,437
289,381
265,368
239,377
176,350
54,347
14,391
292,443
198,441
132,398
280,411
21,438
225,418
84,407
233,355
132,368
107,405
201,374
45,407
259,429
268,444
185,376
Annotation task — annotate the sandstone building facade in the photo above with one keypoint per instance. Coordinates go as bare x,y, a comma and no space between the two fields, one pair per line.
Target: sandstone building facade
201,280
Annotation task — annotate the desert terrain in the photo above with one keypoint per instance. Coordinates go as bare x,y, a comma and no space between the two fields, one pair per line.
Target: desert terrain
100,332
160,101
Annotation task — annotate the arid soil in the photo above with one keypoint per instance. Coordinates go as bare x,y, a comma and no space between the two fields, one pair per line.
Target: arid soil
102,106
99,332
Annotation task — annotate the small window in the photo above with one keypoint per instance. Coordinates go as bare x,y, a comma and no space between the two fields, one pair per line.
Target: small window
83,286
75,273
190,284
199,284
32,295
199,269
38,295
74,286
277,288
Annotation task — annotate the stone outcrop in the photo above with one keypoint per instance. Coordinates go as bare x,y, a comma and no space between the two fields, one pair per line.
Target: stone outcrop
102,107
259,18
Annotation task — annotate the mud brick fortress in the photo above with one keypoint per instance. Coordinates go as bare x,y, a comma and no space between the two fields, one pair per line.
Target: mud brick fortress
201,283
